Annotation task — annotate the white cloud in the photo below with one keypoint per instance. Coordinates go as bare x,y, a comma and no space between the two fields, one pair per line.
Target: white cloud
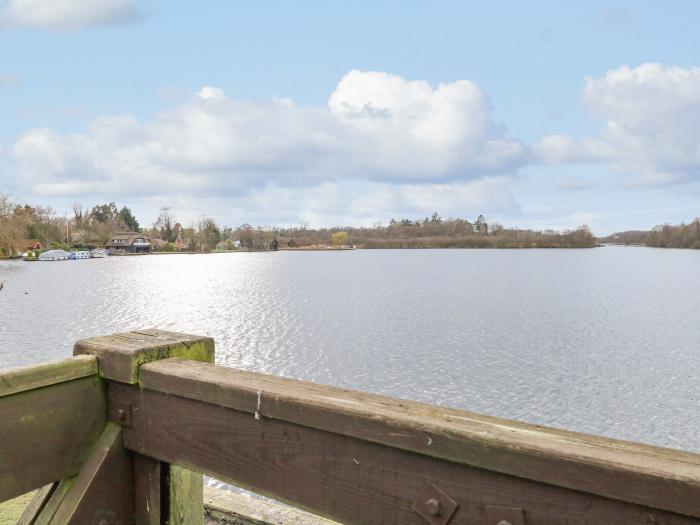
350,202
67,15
377,127
652,125
410,129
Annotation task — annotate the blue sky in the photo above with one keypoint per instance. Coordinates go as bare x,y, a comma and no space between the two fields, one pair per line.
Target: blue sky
333,112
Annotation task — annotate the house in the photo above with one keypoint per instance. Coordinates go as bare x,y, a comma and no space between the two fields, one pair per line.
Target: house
26,245
20,246
130,242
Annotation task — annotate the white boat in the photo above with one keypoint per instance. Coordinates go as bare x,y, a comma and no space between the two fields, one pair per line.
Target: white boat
74,256
54,255
98,253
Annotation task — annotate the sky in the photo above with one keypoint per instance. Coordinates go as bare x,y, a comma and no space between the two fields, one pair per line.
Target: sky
537,114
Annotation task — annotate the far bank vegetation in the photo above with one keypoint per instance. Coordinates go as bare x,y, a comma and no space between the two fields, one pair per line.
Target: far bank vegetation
88,227
436,232
662,236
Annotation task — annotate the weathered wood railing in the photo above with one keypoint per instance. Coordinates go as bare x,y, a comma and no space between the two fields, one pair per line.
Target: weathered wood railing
122,433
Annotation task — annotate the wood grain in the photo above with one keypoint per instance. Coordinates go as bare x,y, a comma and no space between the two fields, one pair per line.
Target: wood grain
635,473
344,478
54,501
121,355
186,496
46,433
20,379
37,504
102,492
147,490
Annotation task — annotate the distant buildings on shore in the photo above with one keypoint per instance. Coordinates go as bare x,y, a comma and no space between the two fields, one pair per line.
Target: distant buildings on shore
130,242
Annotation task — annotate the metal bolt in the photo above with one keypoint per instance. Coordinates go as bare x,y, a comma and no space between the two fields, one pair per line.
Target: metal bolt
433,507
504,522
121,414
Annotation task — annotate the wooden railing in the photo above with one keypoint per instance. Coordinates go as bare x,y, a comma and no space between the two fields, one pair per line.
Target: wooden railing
122,433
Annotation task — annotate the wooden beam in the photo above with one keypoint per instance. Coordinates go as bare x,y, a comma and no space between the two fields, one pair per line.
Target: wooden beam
103,490
20,379
54,501
166,493
147,490
37,504
120,355
634,473
355,480
186,496
46,433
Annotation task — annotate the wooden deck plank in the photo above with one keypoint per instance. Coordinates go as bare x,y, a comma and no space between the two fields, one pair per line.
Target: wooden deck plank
20,379
46,433
347,479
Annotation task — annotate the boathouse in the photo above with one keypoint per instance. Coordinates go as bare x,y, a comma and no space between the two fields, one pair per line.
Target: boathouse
130,242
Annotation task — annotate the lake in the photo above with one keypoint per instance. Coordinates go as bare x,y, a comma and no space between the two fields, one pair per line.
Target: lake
603,340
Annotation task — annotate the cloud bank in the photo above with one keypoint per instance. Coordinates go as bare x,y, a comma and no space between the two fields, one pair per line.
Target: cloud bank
382,146
651,117
376,127
67,15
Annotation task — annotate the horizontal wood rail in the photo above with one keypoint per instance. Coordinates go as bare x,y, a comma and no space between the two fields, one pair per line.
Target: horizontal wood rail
361,458
15,380
128,431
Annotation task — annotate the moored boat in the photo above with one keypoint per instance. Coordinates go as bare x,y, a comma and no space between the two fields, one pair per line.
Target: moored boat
54,255
98,253
77,255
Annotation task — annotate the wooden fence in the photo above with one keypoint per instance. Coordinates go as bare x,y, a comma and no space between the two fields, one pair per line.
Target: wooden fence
122,432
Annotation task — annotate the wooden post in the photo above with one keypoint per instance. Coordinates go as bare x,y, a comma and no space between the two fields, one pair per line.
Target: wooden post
147,487
119,357
186,502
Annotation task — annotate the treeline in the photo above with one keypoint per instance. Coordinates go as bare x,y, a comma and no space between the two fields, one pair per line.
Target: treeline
21,224
681,236
662,236
436,232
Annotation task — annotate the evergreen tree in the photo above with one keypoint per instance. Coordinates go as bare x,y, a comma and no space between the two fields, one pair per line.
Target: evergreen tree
129,219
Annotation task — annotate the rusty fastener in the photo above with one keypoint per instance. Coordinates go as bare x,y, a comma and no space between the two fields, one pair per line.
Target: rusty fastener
434,507
121,414
504,522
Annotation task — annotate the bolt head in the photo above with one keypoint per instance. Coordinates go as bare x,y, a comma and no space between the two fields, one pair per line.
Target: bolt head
121,414
433,507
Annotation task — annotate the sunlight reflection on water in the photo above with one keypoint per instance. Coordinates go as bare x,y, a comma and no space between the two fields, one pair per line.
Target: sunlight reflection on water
602,341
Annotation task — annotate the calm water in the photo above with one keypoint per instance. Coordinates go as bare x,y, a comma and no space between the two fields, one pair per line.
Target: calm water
604,341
